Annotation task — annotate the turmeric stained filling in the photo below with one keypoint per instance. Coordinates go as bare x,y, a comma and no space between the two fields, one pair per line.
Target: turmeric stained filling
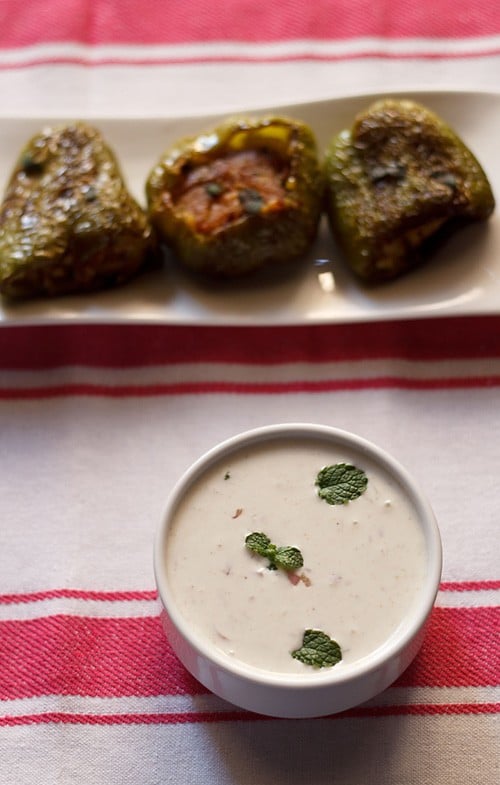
224,191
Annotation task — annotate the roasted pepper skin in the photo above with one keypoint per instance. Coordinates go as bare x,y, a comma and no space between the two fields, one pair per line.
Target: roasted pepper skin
263,236
67,222
398,182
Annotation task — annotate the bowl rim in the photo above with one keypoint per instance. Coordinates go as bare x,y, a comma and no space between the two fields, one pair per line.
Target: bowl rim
409,626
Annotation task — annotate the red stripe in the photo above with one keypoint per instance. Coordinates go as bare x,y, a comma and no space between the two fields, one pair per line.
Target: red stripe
469,585
127,345
240,388
89,656
70,655
460,650
149,595
77,594
122,21
126,719
419,709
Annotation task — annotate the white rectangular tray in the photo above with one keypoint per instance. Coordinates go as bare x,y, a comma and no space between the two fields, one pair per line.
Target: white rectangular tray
462,279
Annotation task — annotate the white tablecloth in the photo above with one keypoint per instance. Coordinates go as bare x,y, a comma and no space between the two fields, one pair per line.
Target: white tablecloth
97,422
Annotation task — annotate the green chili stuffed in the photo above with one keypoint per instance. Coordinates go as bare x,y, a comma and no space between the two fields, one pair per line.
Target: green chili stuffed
67,222
243,196
399,182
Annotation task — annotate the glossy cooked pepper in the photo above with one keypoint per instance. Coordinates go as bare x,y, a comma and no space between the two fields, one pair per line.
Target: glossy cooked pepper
246,195
399,182
67,222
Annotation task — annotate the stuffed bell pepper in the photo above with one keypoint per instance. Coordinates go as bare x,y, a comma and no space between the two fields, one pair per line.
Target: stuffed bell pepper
243,196
67,222
398,182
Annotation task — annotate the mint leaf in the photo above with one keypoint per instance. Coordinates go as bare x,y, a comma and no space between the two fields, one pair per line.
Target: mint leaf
341,483
318,650
287,557
260,543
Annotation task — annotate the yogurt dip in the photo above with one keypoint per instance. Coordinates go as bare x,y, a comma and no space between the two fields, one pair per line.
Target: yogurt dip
364,561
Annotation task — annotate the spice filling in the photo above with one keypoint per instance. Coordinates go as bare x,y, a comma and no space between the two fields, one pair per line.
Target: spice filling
245,183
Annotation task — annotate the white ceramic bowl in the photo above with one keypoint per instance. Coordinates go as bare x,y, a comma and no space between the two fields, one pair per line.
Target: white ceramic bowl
307,694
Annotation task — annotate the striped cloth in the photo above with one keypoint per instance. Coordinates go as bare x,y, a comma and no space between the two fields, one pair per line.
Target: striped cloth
118,57
97,421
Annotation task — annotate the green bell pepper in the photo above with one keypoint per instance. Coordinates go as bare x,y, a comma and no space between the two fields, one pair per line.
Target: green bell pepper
399,182
67,222
245,195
